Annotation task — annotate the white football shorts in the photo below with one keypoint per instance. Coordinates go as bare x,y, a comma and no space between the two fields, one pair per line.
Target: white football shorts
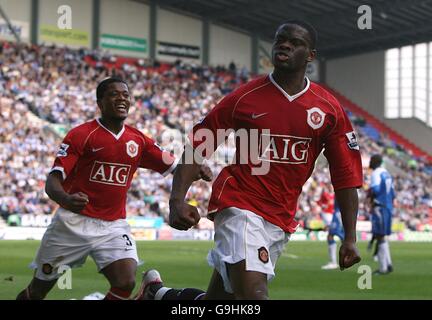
243,235
71,237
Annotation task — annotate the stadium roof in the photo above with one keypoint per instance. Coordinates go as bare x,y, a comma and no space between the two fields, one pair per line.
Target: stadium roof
394,22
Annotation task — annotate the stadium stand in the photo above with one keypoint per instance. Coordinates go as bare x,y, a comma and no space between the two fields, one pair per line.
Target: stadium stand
46,87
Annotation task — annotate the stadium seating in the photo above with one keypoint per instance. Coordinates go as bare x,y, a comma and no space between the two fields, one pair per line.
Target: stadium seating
44,88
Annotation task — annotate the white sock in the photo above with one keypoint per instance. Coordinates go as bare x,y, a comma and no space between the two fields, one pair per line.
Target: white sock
332,252
382,257
161,292
387,251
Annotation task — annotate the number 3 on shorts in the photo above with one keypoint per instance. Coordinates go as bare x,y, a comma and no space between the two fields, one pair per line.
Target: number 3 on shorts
128,242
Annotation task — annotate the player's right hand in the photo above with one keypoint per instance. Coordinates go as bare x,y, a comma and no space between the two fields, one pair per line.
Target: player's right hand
182,216
348,255
75,202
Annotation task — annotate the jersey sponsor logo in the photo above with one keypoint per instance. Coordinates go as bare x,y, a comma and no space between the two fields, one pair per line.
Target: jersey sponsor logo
115,174
256,116
315,117
132,148
352,141
263,255
284,148
63,150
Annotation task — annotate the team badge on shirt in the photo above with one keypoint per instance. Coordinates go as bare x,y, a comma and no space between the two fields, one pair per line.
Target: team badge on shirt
315,117
132,148
263,255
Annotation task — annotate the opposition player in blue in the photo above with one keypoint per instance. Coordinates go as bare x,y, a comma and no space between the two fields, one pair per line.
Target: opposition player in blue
335,229
382,195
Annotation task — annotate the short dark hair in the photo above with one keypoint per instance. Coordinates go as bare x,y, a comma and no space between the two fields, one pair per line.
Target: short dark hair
375,161
309,28
103,85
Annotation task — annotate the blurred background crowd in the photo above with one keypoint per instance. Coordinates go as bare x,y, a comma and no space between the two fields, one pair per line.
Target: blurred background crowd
45,91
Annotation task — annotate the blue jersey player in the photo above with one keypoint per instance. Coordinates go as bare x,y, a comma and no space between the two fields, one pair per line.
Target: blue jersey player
335,229
382,195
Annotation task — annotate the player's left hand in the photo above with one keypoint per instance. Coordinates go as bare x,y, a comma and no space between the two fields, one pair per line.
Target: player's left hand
205,173
348,255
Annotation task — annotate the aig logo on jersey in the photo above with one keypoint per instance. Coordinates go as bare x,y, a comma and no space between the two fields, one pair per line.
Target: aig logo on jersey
315,118
352,141
283,148
115,174
132,148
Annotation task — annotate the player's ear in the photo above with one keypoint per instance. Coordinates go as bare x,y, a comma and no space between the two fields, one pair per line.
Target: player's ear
312,55
99,103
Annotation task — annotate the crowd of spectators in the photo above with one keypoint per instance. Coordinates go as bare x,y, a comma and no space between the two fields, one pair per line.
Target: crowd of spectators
42,86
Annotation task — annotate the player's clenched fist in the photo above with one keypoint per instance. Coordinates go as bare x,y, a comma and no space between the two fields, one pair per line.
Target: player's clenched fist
205,173
348,255
183,216
75,202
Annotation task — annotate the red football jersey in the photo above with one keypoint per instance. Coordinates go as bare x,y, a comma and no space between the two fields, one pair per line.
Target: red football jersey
292,131
95,161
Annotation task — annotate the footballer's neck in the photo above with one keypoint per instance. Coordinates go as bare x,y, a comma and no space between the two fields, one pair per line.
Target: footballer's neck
292,82
113,125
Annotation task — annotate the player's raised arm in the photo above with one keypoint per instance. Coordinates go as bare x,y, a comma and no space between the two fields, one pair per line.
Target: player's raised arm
204,140
348,203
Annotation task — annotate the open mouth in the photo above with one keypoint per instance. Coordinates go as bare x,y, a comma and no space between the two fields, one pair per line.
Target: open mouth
122,107
282,56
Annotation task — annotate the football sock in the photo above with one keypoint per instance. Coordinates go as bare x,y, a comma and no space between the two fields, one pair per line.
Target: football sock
382,257
332,251
387,251
179,294
117,294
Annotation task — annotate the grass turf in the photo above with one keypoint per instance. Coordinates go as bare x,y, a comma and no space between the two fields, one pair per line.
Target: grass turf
298,273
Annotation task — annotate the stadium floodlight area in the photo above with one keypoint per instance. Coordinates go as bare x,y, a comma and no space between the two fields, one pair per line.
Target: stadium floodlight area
408,82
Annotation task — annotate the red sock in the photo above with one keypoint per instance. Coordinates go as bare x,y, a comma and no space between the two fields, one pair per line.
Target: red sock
117,294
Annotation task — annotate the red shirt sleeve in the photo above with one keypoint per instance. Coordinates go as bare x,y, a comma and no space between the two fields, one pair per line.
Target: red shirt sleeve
211,131
343,154
157,159
67,156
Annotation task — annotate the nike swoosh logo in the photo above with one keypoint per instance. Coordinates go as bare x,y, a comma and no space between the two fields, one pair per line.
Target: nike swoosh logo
256,116
95,150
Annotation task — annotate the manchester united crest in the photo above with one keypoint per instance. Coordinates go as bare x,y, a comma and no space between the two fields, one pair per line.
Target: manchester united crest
315,117
132,148
263,255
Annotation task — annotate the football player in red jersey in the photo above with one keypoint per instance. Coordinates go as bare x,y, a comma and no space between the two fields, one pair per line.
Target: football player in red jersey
254,212
90,178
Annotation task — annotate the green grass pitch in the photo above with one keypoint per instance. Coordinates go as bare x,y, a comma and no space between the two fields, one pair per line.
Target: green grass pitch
298,273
